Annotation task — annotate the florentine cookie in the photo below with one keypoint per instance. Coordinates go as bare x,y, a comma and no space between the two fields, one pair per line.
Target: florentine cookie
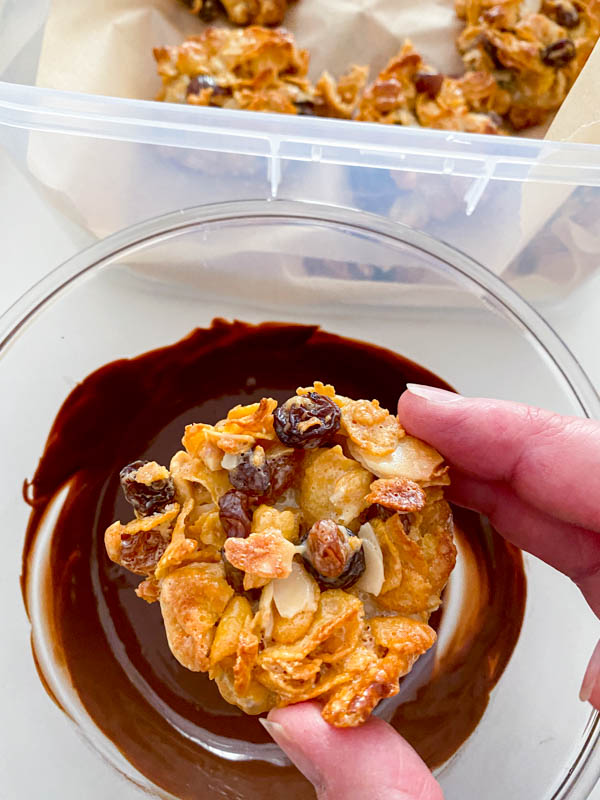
411,92
534,50
297,551
256,69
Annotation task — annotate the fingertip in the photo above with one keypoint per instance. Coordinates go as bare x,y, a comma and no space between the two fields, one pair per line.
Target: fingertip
301,732
377,761
590,687
419,403
300,719
433,394
429,413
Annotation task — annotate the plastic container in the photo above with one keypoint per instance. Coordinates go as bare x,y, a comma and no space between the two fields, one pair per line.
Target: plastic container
150,285
525,208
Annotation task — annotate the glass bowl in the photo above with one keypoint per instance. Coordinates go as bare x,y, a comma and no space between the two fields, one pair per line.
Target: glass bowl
355,275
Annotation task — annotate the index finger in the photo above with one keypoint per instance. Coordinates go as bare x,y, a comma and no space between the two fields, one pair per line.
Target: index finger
550,461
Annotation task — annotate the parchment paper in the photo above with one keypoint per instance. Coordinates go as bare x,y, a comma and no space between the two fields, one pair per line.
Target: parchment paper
106,48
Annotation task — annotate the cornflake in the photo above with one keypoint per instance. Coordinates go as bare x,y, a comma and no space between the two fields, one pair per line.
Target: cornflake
371,427
255,69
314,576
333,486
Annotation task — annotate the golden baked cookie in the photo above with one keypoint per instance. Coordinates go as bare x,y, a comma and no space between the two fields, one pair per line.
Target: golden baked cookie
411,92
254,68
534,50
296,550
521,59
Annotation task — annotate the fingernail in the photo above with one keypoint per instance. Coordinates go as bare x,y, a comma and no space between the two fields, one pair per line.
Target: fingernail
586,690
586,687
277,732
274,729
591,675
433,394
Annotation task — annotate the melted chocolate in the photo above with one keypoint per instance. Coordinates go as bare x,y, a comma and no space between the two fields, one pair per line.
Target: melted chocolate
113,644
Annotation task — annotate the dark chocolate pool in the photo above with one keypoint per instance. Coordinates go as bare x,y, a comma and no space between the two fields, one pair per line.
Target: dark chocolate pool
113,644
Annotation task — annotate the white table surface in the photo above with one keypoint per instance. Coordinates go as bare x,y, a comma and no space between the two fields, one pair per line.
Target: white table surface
35,242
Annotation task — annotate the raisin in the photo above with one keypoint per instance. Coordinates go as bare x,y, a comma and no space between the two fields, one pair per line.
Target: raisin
209,10
141,552
233,575
378,512
252,475
565,14
146,499
558,54
200,82
328,548
495,118
283,471
234,514
235,578
306,421
305,108
492,52
428,83
330,557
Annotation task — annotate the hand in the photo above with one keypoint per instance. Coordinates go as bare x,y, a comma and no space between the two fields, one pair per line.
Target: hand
536,475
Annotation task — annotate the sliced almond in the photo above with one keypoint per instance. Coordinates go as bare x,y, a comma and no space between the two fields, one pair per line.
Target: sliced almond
296,593
265,610
372,578
231,460
412,459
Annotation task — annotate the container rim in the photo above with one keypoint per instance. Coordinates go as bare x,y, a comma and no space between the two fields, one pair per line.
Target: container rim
287,137
519,310
585,770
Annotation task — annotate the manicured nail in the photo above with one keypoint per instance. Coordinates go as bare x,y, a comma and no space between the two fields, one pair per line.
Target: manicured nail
277,732
433,394
591,676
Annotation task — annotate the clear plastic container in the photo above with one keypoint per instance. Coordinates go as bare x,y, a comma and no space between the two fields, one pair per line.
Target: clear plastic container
256,261
527,209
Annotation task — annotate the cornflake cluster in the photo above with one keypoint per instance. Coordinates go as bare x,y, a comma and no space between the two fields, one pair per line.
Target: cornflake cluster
521,58
240,12
255,69
297,551
532,49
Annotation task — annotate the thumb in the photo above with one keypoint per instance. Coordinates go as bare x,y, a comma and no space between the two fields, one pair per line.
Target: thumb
371,762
